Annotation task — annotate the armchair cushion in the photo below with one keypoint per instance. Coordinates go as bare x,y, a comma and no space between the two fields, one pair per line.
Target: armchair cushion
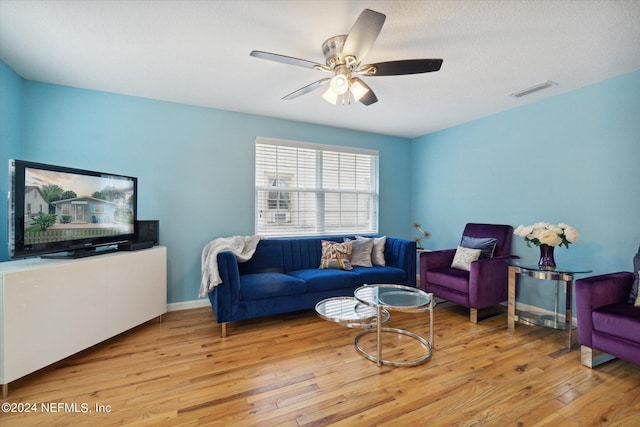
486,245
452,278
607,322
464,257
619,320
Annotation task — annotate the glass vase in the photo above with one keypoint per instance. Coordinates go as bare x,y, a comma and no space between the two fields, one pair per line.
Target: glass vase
546,262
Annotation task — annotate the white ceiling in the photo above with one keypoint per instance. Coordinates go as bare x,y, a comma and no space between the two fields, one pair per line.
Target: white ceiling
197,52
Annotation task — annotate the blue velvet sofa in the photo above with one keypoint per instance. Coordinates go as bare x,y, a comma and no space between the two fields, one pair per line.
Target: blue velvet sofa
283,276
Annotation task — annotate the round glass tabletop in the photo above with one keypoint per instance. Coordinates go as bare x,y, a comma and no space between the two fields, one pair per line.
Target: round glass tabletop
393,297
349,312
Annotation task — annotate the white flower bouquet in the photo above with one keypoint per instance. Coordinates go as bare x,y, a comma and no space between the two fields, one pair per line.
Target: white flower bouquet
543,233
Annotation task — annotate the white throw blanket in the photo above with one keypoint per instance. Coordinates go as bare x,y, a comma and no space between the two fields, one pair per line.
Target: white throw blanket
242,247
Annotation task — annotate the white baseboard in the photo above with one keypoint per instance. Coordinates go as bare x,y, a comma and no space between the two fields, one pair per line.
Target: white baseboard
204,302
186,305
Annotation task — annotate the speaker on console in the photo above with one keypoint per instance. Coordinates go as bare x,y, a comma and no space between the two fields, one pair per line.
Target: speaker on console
147,231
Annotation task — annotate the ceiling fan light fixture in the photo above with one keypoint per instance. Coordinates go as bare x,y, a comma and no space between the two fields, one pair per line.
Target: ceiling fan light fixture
358,90
330,96
339,84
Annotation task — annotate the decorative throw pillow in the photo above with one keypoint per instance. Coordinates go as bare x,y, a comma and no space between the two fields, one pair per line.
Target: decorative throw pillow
361,252
634,289
336,255
377,255
464,257
486,244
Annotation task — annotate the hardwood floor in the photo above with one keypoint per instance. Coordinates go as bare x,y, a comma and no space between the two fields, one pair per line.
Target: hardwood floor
299,370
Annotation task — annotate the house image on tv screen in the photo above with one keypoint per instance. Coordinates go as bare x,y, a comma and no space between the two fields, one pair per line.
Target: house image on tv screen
34,202
87,210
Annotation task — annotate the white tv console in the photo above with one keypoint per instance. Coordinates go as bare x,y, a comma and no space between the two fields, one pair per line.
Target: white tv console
51,309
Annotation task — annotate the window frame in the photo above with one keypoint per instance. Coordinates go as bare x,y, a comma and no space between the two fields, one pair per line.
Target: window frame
347,203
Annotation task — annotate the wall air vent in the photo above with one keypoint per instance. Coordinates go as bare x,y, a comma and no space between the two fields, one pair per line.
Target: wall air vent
535,88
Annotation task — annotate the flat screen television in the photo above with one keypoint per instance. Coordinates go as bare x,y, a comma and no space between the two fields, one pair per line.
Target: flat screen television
57,211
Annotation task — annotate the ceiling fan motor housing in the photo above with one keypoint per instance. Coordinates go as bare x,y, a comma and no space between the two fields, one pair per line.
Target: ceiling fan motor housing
332,50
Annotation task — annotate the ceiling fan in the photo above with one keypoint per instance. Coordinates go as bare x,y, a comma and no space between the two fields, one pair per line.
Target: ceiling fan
343,55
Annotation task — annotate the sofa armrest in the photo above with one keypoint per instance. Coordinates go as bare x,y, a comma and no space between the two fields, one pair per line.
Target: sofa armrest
598,291
488,281
225,297
401,253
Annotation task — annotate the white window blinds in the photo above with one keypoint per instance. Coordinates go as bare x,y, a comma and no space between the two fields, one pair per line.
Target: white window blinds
312,189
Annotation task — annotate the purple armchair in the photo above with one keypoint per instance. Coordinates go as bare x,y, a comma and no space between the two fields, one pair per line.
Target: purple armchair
484,285
608,323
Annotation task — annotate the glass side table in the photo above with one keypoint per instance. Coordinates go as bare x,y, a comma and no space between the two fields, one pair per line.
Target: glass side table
559,274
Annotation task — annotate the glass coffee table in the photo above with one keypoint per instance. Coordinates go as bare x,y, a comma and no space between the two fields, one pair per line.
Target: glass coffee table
370,307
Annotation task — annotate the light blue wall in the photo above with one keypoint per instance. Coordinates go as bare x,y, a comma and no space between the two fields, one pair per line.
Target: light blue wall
194,165
573,158
10,139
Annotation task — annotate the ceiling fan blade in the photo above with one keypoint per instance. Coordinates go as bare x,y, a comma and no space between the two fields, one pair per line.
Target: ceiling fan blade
363,34
308,88
286,59
369,97
398,68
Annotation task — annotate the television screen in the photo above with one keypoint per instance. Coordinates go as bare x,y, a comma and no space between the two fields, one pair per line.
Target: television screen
56,209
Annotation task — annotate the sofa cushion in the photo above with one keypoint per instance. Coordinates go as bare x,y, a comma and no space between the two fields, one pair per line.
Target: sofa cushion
377,254
361,252
266,285
452,278
266,259
326,279
620,320
336,255
379,274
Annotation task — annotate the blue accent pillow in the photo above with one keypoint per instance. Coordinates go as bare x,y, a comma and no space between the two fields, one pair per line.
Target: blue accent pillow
486,245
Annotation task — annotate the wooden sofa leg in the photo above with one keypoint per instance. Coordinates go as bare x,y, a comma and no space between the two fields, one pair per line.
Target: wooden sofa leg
592,358
223,330
473,316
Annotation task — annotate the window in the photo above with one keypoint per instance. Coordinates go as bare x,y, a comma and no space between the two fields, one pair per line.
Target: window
278,199
312,189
